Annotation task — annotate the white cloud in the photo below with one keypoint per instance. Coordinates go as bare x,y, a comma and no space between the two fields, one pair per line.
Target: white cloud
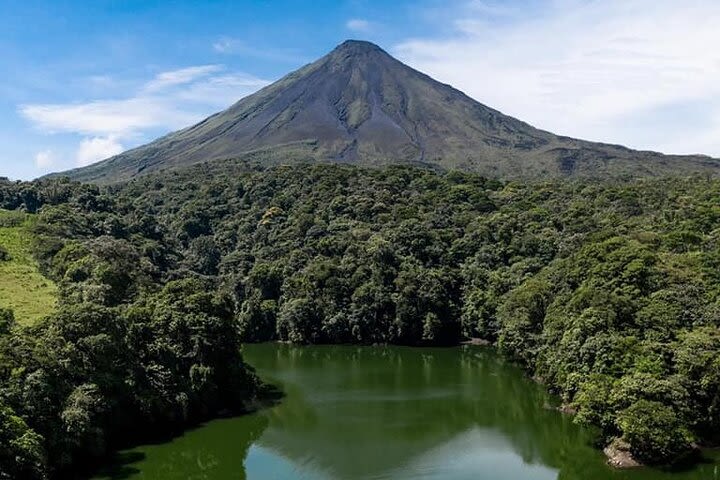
180,77
103,117
170,100
95,149
44,159
221,90
640,72
358,25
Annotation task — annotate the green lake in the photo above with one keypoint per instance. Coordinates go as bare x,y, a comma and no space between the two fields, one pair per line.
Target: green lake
390,413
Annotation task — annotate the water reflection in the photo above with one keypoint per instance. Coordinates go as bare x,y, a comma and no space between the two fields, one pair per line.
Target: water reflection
216,450
392,413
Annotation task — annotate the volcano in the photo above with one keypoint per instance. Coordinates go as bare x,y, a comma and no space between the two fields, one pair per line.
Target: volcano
359,105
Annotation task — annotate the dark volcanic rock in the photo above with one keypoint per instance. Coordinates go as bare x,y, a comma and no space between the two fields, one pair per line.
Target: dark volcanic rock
360,105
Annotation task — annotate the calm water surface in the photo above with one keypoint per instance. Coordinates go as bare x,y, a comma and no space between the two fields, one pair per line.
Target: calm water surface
389,413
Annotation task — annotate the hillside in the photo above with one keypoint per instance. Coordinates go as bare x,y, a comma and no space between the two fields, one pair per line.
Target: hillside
358,105
606,291
126,355
22,288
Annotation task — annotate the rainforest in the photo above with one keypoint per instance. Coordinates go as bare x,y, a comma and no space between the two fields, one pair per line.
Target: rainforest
607,294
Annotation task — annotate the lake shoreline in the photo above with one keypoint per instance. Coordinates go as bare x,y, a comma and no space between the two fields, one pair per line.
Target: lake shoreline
402,409
619,456
616,452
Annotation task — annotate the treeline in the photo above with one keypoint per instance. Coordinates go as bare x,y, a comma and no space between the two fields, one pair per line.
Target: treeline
132,352
608,293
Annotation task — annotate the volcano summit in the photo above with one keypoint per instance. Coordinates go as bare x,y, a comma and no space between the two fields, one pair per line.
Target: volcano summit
359,105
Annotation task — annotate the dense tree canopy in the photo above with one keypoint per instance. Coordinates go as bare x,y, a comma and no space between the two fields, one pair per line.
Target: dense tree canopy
608,293
131,351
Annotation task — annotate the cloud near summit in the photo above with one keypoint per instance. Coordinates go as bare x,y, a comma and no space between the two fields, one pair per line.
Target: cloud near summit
169,100
645,73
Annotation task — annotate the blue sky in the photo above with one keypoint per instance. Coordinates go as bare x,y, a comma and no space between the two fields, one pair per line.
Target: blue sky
83,80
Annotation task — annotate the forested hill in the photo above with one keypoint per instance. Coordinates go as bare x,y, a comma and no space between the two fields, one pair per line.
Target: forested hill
133,351
606,292
358,105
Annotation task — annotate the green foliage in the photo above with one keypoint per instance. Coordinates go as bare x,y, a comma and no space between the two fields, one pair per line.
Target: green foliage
608,293
603,291
298,321
653,431
697,358
522,315
7,320
593,401
128,353
22,287
21,455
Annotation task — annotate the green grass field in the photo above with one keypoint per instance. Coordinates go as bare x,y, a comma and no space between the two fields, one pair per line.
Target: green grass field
22,288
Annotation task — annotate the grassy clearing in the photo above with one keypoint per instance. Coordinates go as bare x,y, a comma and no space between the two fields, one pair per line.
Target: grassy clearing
22,288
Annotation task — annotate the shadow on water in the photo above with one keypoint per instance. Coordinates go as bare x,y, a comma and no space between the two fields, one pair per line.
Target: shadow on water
121,467
215,449
389,413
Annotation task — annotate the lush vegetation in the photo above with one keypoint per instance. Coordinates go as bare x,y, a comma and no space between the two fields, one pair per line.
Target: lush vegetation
131,351
608,293
22,287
